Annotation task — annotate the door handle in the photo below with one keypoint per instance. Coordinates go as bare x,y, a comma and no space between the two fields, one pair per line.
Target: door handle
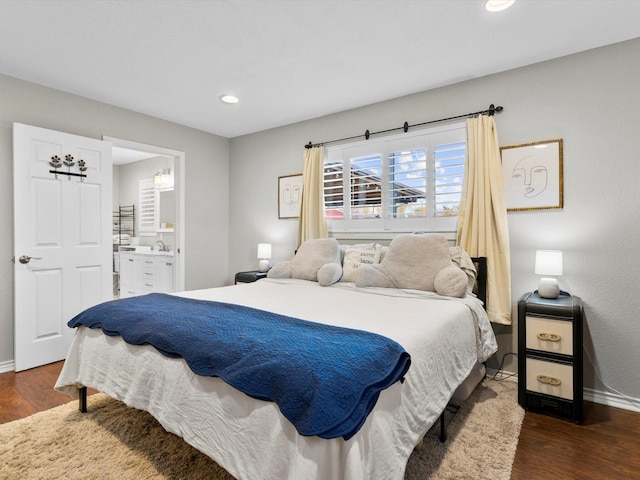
26,259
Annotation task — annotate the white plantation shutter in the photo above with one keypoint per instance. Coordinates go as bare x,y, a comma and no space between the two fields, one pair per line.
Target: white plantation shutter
148,213
408,183
448,177
365,186
405,182
333,188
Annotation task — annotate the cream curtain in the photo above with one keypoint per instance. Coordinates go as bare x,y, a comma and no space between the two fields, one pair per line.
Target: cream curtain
482,223
313,223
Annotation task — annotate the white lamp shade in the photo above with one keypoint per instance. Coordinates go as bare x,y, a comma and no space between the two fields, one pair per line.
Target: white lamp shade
264,250
548,262
264,254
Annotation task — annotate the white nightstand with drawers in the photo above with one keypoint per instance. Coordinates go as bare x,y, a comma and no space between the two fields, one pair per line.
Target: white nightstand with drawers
550,354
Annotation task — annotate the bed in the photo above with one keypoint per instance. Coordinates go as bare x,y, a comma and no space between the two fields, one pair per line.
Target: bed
446,338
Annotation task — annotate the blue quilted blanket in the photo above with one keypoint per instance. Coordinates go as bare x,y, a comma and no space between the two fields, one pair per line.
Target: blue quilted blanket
324,379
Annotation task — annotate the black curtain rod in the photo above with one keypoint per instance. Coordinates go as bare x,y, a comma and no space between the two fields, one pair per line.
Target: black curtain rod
405,128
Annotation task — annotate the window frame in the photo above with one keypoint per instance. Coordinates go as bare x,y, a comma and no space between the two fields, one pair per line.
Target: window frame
427,137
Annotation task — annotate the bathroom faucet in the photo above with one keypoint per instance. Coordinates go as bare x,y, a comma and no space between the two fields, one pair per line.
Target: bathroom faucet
163,247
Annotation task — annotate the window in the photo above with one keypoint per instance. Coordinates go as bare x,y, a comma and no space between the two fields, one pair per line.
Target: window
405,182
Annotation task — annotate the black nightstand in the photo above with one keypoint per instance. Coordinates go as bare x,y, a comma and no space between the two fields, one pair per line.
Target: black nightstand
250,276
550,354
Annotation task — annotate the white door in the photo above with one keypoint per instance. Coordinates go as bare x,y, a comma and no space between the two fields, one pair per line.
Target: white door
62,238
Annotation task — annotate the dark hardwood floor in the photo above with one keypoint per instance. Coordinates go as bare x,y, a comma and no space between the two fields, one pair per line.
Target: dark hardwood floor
605,446
28,392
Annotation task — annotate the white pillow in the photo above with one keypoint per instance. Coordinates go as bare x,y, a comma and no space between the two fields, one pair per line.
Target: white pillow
344,248
356,256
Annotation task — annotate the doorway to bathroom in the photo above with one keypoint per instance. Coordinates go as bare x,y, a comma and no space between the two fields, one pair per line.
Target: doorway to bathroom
148,215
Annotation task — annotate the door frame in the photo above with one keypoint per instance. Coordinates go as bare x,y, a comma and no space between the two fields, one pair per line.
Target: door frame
179,186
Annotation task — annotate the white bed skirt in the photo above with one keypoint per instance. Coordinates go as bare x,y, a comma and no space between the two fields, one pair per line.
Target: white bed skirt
250,438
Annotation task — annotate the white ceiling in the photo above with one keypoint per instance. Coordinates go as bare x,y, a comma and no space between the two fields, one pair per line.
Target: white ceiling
286,60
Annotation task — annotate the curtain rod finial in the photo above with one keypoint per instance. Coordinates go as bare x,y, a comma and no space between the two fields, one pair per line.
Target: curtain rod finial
309,145
493,109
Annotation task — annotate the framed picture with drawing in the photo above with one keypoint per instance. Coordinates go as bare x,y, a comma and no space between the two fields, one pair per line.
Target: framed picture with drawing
532,175
289,195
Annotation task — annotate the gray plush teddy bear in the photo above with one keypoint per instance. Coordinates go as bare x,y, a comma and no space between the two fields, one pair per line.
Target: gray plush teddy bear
317,260
418,262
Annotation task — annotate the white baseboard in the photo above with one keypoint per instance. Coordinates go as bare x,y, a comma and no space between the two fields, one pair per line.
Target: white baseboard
612,400
9,366
590,395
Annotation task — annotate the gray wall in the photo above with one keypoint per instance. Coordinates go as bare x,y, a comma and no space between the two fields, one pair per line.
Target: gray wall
592,101
206,176
130,175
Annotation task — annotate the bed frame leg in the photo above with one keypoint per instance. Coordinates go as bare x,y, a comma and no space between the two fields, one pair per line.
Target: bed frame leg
453,409
82,399
443,428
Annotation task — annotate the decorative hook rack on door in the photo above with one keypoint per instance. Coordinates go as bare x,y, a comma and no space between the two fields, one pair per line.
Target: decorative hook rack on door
68,162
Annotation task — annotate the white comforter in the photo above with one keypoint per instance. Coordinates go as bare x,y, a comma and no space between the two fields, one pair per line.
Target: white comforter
249,437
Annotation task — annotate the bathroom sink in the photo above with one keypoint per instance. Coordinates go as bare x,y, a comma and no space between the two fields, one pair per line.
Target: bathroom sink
155,252
166,254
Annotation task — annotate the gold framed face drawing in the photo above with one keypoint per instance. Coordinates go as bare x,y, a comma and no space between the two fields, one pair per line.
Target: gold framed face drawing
532,175
289,195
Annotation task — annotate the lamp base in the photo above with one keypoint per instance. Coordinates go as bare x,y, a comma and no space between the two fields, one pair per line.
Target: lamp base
264,265
548,288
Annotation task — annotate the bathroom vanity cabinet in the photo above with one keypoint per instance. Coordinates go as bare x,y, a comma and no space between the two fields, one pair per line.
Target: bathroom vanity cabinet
142,273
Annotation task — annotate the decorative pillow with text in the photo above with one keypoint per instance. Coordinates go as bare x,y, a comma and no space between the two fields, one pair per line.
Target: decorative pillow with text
355,257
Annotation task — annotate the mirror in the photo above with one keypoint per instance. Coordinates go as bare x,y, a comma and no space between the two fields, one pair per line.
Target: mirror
166,210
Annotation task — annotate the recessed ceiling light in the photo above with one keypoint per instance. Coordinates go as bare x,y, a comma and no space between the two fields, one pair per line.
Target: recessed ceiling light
497,5
229,99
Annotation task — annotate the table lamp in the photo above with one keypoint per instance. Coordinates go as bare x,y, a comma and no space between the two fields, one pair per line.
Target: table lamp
548,262
264,254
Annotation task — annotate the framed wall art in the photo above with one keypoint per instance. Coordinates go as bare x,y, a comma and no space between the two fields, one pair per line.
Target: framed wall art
532,175
289,196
